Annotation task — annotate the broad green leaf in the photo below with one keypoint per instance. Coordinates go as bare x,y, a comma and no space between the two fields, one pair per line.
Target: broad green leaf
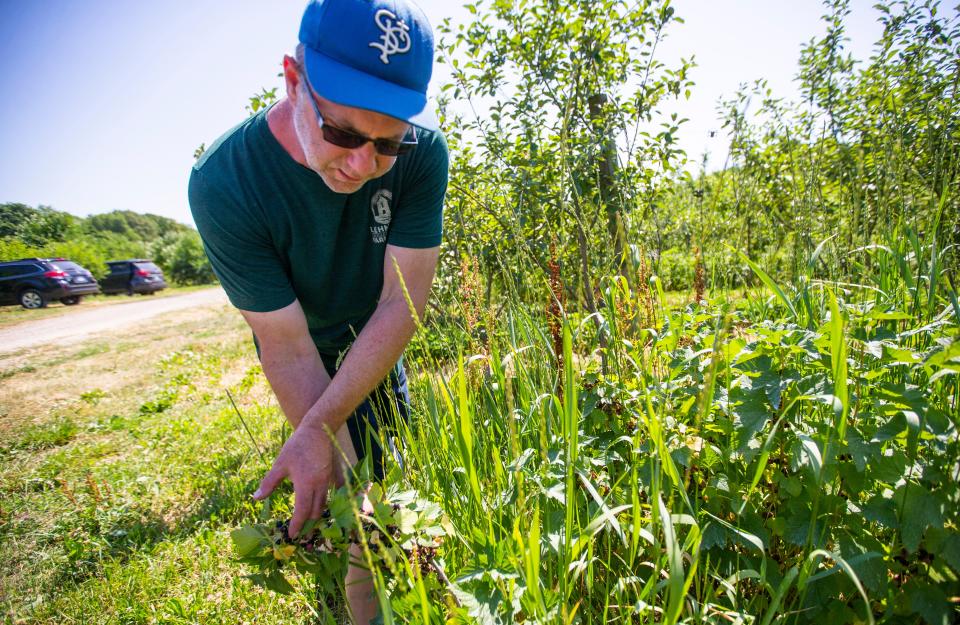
481,602
882,510
750,414
889,467
248,540
918,510
274,581
860,450
749,538
930,602
867,609
950,551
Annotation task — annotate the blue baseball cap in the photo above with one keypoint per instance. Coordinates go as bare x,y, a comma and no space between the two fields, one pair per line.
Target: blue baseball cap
371,54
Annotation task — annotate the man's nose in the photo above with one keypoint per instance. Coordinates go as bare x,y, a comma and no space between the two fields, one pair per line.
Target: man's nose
363,160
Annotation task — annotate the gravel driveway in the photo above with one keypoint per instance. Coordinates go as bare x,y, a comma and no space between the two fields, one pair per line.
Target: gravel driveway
78,324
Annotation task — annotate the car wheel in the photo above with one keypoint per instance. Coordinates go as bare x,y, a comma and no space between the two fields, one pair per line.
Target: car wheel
71,300
31,299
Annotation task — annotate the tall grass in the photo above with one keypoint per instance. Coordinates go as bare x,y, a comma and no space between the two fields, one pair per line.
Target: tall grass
756,460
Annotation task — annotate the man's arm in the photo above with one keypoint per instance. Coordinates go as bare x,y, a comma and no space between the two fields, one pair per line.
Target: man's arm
289,359
307,458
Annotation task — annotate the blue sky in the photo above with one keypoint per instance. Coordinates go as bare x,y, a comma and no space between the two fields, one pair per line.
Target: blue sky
105,101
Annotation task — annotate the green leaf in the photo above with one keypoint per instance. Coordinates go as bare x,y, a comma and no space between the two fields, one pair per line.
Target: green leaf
767,280
792,485
247,540
930,602
919,509
851,574
798,525
889,467
882,510
860,450
950,551
891,429
481,602
750,414
341,510
838,360
274,581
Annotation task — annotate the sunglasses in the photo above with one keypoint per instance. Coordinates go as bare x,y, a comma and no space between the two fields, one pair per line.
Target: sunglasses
352,140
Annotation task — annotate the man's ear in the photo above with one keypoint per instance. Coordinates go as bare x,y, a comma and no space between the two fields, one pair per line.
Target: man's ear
291,76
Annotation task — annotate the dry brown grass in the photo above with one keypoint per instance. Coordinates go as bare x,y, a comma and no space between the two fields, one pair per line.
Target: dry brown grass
44,383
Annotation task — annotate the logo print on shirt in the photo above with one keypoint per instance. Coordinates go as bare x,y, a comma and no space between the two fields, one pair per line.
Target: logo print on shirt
395,38
380,207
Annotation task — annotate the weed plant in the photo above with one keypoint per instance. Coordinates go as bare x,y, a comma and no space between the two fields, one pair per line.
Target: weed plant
790,458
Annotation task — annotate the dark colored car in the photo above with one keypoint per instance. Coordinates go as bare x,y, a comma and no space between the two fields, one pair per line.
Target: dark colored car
137,275
32,282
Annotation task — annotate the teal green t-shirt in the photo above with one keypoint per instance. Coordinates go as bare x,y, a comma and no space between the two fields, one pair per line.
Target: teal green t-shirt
275,233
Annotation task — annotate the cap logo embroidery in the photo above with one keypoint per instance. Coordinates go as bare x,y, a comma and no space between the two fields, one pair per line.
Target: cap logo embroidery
395,38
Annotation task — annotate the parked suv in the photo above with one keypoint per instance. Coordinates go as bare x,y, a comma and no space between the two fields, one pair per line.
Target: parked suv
137,275
32,282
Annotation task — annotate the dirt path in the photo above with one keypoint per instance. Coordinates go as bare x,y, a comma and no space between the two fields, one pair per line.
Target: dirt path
79,324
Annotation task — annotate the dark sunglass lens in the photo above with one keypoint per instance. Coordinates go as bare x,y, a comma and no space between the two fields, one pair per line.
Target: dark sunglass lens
351,140
343,138
387,148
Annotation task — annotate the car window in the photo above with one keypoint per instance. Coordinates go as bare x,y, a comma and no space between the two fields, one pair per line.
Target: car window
22,270
121,268
66,265
6,272
148,267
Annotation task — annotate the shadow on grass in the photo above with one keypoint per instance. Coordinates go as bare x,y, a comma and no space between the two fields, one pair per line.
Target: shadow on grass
95,532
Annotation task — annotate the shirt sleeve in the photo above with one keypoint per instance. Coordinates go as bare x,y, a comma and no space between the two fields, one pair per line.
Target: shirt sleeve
419,218
239,248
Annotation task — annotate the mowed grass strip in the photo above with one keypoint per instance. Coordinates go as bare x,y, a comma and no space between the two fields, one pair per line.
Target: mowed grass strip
123,468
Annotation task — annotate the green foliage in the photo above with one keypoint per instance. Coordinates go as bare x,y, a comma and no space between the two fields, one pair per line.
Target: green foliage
183,259
399,535
12,249
756,465
258,101
130,225
567,86
14,217
44,232
873,147
38,437
675,269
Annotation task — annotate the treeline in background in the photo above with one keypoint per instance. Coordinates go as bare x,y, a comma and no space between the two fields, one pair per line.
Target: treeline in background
27,232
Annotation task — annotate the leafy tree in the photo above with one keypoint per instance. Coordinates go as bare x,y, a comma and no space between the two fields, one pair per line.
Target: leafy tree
45,225
869,151
144,227
567,157
14,217
183,259
12,248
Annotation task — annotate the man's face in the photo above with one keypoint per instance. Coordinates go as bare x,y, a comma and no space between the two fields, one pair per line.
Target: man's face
344,170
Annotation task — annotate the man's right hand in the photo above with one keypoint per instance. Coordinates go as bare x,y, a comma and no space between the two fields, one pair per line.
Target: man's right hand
307,460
